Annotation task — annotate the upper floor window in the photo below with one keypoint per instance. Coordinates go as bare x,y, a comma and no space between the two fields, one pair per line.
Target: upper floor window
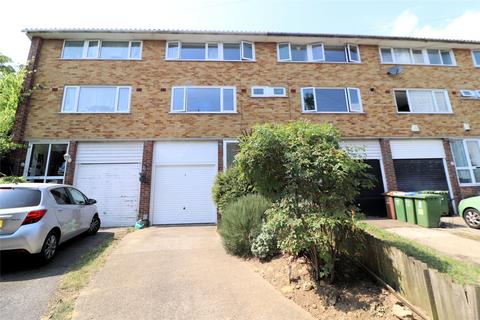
264,92
210,51
318,52
417,56
91,99
466,154
97,49
476,58
422,101
341,100
204,99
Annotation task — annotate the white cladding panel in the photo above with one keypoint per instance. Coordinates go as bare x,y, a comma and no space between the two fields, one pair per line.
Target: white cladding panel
417,149
111,152
185,152
367,149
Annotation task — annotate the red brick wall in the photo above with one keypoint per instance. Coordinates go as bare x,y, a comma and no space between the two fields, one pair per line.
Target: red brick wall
388,164
72,151
145,187
220,155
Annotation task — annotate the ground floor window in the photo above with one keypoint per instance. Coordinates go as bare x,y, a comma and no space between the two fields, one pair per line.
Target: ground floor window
230,149
45,162
466,154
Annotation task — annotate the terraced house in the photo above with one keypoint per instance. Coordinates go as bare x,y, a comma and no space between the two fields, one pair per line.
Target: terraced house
142,120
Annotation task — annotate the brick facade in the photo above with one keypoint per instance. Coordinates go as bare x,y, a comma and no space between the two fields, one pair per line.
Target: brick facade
388,167
70,172
145,185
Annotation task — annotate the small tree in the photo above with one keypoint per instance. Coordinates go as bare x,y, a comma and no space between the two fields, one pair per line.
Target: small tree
303,164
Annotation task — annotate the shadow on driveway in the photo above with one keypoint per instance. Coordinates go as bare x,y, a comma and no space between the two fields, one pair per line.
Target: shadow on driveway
26,285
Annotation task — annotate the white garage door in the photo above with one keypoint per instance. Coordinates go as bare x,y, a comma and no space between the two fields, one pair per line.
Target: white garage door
184,173
109,173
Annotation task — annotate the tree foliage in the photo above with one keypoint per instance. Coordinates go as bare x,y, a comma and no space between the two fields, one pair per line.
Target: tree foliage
11,82
314,181
229,186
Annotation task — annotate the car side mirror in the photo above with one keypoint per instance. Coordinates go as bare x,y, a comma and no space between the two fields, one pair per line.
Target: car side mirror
91,201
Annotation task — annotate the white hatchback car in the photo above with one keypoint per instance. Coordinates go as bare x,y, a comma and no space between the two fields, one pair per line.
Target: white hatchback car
37,217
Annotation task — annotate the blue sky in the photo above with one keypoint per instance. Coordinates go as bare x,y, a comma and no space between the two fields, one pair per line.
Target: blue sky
428,18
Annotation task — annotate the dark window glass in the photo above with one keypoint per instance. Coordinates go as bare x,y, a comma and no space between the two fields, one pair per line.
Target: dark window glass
203,100
77,196
308,100
446,58
38,160
402,101
299,53
73,50
331,100
434,57
335,54
114,50
231,51
56,165
193,51
19,197
232,150
61,196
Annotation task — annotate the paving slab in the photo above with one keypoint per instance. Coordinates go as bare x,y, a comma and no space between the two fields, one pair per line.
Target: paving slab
456,241
180,273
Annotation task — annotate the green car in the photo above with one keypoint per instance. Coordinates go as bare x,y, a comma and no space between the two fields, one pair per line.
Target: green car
470,211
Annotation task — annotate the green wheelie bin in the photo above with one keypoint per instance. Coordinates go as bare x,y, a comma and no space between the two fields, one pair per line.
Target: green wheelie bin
399,206
444,203
428,208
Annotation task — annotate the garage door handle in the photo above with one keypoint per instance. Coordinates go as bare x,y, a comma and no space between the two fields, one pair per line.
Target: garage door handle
183,208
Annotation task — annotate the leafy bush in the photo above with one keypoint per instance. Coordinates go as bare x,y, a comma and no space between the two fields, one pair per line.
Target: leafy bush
321,237
314,181
241,223
11,179
229,186
265,245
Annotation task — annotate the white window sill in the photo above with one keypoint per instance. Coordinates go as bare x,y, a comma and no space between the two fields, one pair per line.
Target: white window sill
98,59
209,60
469,184
128,112
320,62
331,112
203,112
419,64
268,97
429,113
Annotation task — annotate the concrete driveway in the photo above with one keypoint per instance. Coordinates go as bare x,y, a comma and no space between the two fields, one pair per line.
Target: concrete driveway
180,273
26,286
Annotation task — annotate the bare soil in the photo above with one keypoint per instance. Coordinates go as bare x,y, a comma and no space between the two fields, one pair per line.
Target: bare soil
353,296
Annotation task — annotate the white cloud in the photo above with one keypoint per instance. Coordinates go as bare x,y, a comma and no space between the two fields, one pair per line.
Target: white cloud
463,27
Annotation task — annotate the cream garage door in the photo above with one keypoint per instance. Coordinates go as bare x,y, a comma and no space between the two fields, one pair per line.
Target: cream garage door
109,173
184,173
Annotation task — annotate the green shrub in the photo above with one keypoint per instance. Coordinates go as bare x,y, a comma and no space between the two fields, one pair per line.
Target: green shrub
11,179
241,223
264,246
229,186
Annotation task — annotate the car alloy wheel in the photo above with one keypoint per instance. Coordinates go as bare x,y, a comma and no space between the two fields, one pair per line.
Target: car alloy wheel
50,246
94,225
472,218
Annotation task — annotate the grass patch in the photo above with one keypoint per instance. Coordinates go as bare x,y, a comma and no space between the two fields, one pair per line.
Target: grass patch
460,272
79,276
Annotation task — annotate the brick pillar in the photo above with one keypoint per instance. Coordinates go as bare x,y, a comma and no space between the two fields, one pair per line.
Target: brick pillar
220,155
452,172
23,108
146,182
69,174
388,164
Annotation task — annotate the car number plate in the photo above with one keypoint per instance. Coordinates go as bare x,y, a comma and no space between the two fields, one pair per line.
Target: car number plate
1,224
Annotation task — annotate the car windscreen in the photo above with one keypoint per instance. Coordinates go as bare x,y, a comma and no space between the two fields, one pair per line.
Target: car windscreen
19,197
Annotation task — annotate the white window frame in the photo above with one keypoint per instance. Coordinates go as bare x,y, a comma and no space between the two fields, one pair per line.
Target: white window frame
85,50
470,167
310,59
347,99
432,91
225,142
475,64
77,96
424,54
268,92
29,156
185,88
220,51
